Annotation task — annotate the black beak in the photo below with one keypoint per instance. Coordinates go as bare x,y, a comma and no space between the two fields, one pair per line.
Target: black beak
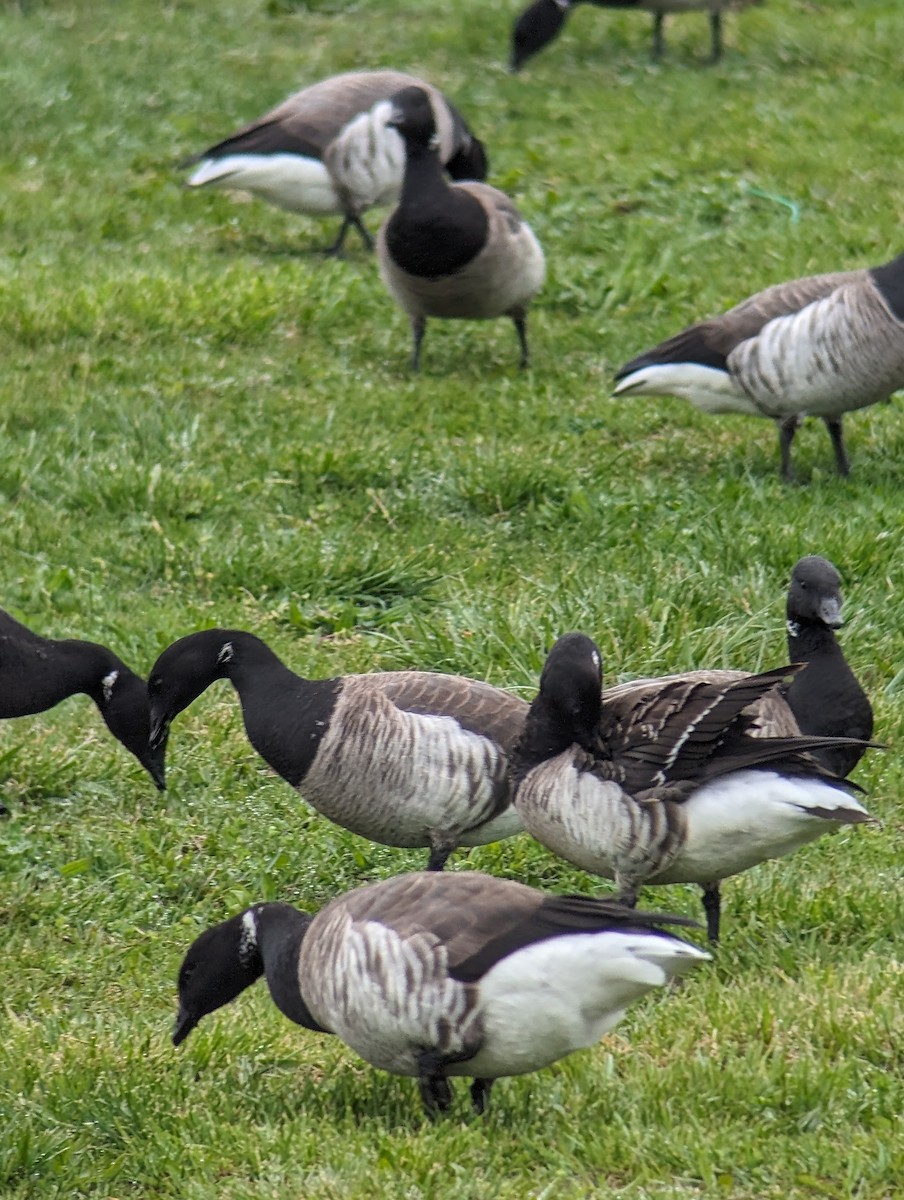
160,724
156,768
185,1023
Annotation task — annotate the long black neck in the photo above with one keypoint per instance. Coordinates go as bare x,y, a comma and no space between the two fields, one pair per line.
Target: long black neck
544,736
436,229
285,714
811,639
889,279
38,673
280,932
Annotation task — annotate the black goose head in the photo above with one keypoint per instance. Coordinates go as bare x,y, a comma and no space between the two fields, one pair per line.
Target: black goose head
536,28
219,965
183,671
412,115
571,686
814,595
122,698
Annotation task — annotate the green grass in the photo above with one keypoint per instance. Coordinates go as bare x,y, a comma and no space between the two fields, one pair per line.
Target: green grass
204,423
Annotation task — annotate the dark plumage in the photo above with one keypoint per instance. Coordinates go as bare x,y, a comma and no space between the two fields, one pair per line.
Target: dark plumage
826,698
405,758
542,21
327,149
37,673
668,781
453,250
434,976
819,346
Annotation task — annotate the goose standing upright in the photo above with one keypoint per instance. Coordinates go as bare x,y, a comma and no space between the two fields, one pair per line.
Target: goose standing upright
819,346
37,673
669,786
327,149
460,250
434,976
542,21
405,758
826,698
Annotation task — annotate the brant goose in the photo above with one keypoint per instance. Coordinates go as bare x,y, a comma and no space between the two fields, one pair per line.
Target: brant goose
826,698
818,346
543,20
460,250
405,758
669,784
327,149
37,673
438,975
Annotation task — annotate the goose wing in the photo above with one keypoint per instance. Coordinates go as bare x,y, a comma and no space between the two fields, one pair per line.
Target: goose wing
476,706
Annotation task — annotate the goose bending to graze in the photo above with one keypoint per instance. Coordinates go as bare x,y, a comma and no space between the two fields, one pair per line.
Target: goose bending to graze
37,673
328,149
819,346
826,698
460,250
434,976
542,21
405,758
670,784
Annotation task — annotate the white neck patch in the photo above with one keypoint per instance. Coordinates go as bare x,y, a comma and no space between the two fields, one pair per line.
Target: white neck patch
227,654
107,684
793,629
562,5
248,939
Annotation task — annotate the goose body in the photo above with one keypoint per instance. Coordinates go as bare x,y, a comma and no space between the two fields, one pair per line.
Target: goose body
37,673
453,250
543,20
819,346
434,976
669,783
405,758
327,149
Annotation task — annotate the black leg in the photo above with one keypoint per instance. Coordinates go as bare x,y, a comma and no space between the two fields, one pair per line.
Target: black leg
715,25
787,427
628,897
418,325
836,433
365,236
435,1090
712,905
480,1094
520,319
335,251
441,846
658,43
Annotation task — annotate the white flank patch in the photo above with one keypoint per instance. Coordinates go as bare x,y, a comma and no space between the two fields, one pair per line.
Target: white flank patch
107,684
289,181
748,817
565,993
707,388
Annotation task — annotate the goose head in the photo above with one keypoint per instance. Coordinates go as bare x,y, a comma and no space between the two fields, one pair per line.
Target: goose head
814,595
536,28
122,698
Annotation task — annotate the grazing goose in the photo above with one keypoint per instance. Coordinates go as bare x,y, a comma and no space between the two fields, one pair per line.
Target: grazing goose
438,975
460,250
327,149
819,346
543,20
405,758
826,698
670,785
37,673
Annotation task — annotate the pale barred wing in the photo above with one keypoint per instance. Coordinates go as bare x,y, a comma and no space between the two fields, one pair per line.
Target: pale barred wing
839,353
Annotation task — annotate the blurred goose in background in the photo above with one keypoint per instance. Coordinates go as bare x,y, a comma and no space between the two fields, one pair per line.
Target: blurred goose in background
669,782
37,673
542,21
460,250
826,698
434,976
405,758
819,346
327,149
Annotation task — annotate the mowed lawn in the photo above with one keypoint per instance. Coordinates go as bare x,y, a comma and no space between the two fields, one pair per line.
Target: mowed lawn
204,422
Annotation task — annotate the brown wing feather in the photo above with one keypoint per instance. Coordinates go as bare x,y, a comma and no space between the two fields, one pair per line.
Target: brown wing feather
476,706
